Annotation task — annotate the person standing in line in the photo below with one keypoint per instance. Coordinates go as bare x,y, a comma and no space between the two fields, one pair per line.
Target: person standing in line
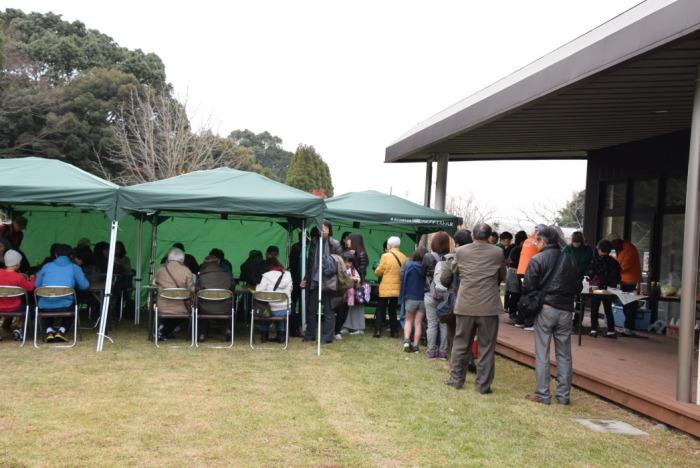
389,270
555,275
505,240
462,237
481,269
411,300
313,281
513,282
439,246
355,321
528,251
581,252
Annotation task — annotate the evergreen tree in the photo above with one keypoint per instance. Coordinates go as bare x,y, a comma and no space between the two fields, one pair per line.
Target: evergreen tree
308,171
267,149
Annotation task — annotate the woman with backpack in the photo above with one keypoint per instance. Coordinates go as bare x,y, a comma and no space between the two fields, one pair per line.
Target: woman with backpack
434,293
411,300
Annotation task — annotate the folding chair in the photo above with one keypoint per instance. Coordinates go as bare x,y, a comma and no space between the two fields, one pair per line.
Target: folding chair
214,295
55,292
174,294
7,292
269,297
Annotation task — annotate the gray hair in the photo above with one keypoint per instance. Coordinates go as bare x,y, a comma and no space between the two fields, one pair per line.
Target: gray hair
176,255
394,241
549,235
482,231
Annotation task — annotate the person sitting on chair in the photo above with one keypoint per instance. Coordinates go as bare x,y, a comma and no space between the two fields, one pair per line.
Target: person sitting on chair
213,276
10,277
174,274
60,272
275,279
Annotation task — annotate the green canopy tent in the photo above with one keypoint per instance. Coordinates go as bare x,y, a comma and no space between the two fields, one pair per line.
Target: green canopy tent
224,192
379,215
33,181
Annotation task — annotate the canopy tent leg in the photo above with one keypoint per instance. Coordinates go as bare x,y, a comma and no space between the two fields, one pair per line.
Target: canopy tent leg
303,275
428,182
441,181
690,259
108,286
137,279
289,243
319,324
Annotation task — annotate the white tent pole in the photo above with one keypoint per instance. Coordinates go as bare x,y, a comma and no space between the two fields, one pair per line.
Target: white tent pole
108,286
137,279
303,275
320,289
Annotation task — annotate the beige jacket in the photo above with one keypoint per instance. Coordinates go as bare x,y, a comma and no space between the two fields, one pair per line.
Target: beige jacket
481,269
183,279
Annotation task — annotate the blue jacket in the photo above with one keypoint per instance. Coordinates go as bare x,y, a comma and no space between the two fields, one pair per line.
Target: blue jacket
60,272
412,282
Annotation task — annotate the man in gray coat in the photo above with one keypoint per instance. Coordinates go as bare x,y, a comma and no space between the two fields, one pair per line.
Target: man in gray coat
481,268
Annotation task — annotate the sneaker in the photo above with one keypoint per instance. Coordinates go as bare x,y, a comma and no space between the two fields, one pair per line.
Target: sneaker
357,332
519,325
407,346
530,328
344,331
17,335
49,337
414,349
456,385
59,338
594,333
610,334
338,336
627,332
442,356
432,354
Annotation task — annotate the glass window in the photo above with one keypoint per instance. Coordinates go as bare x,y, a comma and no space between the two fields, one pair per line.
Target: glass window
671,250
641,236
675,191
645,193
612,224
615,196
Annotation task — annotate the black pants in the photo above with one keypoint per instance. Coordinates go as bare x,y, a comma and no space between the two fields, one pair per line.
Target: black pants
631,308
341,315
390,303
607,307
328,314
294,313
511,300
65,322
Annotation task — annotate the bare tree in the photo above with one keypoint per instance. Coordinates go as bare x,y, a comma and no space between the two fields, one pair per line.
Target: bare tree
541,214
153,140
471,211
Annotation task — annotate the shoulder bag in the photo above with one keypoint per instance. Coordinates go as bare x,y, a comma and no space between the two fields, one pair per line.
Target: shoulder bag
262,309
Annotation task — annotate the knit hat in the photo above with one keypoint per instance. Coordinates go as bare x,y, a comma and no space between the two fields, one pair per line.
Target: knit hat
12,258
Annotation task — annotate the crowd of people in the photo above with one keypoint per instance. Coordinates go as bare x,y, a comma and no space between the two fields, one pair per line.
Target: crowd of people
445,296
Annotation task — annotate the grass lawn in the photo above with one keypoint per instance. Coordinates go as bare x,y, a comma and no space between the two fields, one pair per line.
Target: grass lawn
362,403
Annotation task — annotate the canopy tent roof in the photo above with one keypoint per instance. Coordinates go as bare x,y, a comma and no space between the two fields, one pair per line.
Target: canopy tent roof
371,207
40,181
629,79
221,190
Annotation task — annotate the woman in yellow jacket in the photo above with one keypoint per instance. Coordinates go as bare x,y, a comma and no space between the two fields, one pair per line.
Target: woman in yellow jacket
389,274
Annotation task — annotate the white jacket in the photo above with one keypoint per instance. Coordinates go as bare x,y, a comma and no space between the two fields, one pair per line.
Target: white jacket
267,283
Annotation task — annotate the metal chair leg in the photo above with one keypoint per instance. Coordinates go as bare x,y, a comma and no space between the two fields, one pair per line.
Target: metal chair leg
286,329
193,328
25,325
155,330
36,324
252,327
196,327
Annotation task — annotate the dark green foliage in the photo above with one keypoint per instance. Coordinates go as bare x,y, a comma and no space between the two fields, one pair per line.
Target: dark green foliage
308,172
571,215
267,149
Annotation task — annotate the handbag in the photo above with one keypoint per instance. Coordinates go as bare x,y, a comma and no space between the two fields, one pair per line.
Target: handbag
262,309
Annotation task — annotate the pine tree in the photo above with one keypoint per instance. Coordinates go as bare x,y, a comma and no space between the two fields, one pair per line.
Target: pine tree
308,171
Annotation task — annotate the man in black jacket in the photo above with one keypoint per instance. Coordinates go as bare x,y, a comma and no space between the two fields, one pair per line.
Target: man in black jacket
556,276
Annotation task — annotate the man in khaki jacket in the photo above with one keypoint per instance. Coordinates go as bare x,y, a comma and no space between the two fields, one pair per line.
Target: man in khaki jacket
174,274
481,268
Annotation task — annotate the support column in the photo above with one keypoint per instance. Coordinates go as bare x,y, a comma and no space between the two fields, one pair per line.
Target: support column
303,276
428,182
690,258
441,181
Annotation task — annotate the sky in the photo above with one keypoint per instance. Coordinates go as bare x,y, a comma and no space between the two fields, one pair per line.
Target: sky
350,78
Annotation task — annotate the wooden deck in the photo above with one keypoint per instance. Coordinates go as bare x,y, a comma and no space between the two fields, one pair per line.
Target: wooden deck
638,373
